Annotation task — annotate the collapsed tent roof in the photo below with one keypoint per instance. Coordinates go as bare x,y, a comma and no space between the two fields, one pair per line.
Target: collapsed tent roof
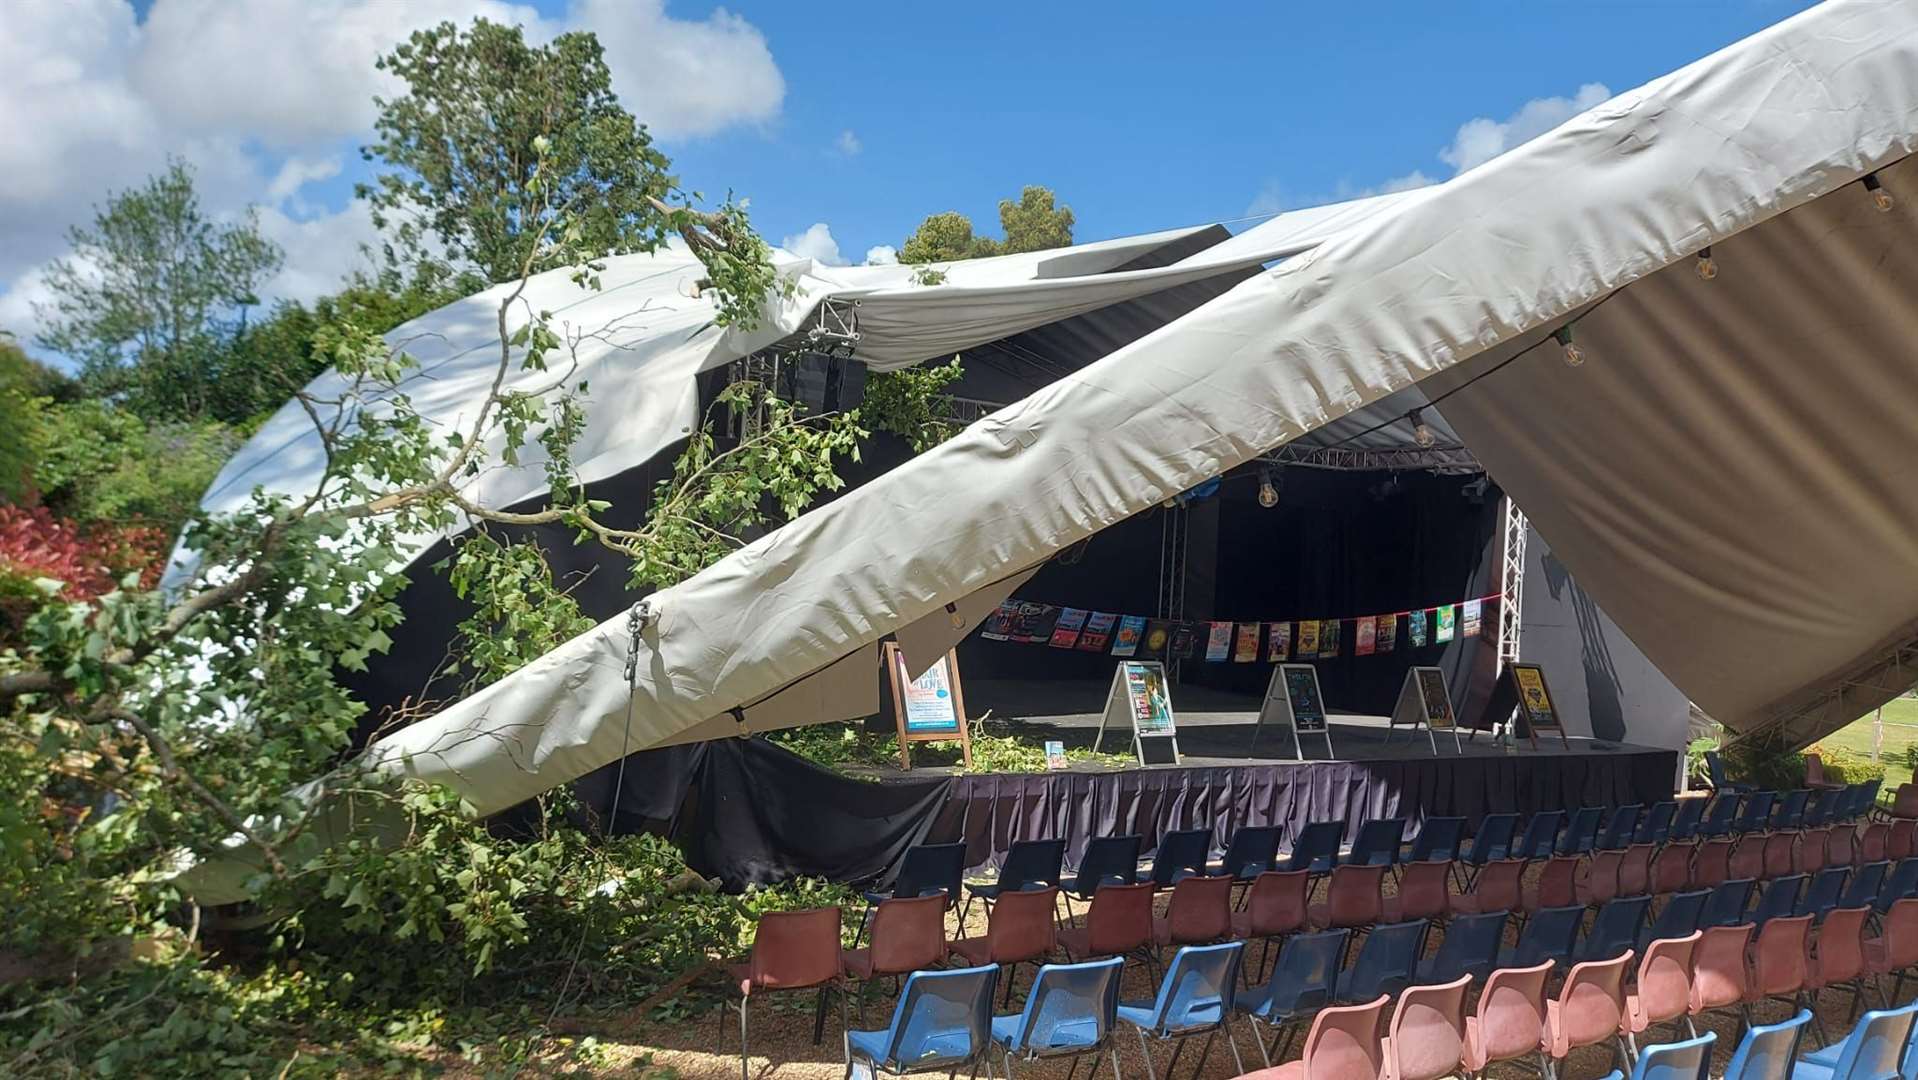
1722,476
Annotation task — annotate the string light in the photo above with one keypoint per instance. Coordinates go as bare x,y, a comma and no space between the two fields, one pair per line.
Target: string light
1574,355
1707,266
1421,431
1268,489
1879,196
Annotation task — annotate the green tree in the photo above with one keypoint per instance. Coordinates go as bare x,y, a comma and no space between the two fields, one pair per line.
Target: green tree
22,421
152,292
1033,223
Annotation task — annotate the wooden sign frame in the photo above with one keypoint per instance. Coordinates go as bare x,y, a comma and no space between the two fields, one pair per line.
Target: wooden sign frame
1281,707
1416,707
1509,703
961,731
1121,702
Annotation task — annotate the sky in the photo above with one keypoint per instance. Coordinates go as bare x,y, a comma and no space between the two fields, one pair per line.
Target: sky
844,124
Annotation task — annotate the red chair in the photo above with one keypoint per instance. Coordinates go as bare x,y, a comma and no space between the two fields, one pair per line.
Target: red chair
1904,804
1780,854
1427,1036
1356,898
1199,913
907,934
1780,965
1557,885
1814,850
1020,929
1672,868
1895,952
1275,905
1874,845
1664,991
1748,858
1510,1020
1596,882
1635,870
1423,893
1343,1044
792,950
1496,888
1589,1009
1711,867
1902,841
1838,955
1815,778
1721,977
1842,847
1119,923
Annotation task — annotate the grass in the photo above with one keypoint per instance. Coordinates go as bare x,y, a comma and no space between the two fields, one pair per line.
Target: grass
1901,733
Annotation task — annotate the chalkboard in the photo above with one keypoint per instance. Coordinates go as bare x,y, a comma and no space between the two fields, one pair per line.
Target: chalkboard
1141,697
1293,701
1425,701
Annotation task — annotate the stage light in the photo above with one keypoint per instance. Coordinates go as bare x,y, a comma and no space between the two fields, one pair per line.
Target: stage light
1268,489
1880,198
1707,267
1421,431
1574,355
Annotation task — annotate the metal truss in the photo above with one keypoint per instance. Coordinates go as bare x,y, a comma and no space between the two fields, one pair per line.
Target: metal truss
1511,604
1443,459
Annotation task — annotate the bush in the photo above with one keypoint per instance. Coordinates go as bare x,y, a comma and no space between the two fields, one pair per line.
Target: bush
1847,766
1768,765
99,463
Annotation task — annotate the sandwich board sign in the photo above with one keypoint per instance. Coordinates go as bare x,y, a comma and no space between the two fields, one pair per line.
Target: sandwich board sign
1140,696
1425,701
1522,695
1293,701
930,708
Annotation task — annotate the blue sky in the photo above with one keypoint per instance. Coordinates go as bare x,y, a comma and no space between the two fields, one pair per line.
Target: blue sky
858,117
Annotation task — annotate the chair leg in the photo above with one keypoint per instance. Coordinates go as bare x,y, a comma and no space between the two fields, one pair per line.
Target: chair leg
1205,1054
1114,1050
1172,1067
742,1040
1231,1040
1259,1042
1145,1051
819,1017
1012,972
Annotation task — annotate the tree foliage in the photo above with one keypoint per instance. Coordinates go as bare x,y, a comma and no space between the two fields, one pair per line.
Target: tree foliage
1034,222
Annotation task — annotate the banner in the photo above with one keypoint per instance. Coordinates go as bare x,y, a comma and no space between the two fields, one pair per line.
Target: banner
1366,630
1308,639
1065,633
1329,636
1218,641
1447,620
1415,622
1158,638
1278,642
1185,641
1472,619
1131,631
1247,649
1388,633
1098,631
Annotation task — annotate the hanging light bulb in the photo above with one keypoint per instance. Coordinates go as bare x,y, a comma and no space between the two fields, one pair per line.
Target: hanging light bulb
1421,431
1268,489
958,620
1880,198
1707,266
1574,355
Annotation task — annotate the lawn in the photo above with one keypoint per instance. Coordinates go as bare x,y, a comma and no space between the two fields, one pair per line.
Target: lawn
1901,732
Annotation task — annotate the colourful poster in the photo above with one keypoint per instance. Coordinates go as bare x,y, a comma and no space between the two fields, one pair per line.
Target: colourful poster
1473,618
1388,633
1034,622
1366,632
999,624
1218,641
1415,628
1158,637
1329,634
1308,638
1185,640
1151,708
1278,642
1246,649
1065,632
929,703
1131,632
1098,632
1447,623
1055,754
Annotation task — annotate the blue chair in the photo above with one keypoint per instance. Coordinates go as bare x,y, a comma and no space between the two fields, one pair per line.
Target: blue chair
1581,832
1070,1012
1377,843
1109,860
1182,853
1691,814
1678,918
1550,934
1715,767
1789,812
1756,813
1470,947
1439,838
1387,963
1767,1050
1302,983
1540,837
1719,817
1866,882
1875,1049
1317,847
1615,931
1780,899
1493,840
926,869
1195,998
1030,864
943,1021
1901,884
1822,894
1727,904
1688,1060
1823,807
1252,851
1619,829
1656,826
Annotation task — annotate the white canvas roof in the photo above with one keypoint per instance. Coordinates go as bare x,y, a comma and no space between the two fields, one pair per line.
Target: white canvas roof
1726,476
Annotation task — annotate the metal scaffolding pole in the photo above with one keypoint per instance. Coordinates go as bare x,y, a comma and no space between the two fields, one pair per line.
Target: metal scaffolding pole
1511,602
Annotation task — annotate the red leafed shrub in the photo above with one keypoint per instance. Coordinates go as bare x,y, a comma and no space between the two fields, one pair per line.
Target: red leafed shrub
35,544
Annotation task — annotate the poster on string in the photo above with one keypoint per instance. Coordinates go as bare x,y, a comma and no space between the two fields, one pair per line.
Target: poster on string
1365,635
1141,697
1329,634
998,625
1447,622
1246,649
1425,701
1471,618
1308,639
1388,633
1098,632
1065,633
1218,641
1187,639
1294,702
1415,628
930,708
1278,642
1158,638
1125,642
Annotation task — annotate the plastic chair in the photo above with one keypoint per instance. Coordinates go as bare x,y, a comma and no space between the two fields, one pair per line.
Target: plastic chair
1614,930
1816,847
1493,840
792,950
1119,923
1824,891
1377,843
1549,935
1589,1009
1343,1044
1302,983
1789,811
1557,884
1620,827
1540,836
1715,769
1426,1039
1842,847
1685,822
1865,885
1030,864
1423,893
1109,860
1195,998
926,869
1768,1050
1678,918
1838,956
1901,839
1727,903
1655,827
1509,1022
1748,858
1595,880
1779,967
1822,808
1470,947
1712,863
1199,913
1815,775
906,934
1663,993
1439,839
1895,951
1019,930
1355,898
1182,853
1069,1013
1874,844
1386,963
1904,801
1672,867
1872,1050
1253,850
1756,812
1498,887
1721,976
1581,832
1635,870
1317,847
1779,900
1687,1060
1719,816
1275,905
943,1021
1780,855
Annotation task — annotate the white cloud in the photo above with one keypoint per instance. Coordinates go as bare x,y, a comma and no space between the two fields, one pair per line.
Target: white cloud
685,77
297,172
882,255
817,244
320,250
847,143
1482,138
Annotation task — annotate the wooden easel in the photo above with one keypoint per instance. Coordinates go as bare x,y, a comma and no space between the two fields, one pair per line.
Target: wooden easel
933,716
